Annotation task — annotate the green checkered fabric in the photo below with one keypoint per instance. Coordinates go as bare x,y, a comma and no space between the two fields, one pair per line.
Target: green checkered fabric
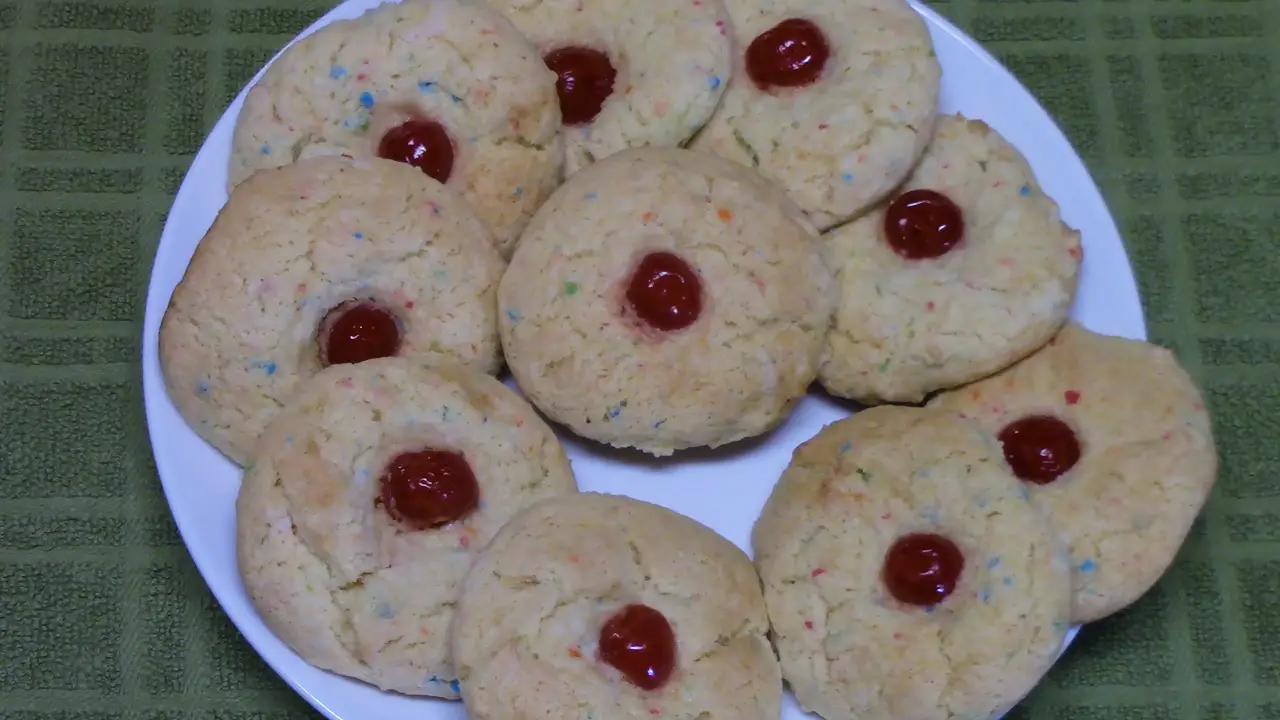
104,102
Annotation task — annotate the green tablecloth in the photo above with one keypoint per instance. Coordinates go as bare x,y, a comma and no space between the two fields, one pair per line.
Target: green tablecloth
103,103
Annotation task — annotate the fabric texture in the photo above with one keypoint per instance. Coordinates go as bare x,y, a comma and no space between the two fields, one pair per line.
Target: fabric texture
104,102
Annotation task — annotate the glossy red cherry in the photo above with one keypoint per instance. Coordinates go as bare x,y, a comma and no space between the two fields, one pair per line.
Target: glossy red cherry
920,224
665,292
1040,448
584,80
922,569
422,143
356,331
790,54
429,488
640,643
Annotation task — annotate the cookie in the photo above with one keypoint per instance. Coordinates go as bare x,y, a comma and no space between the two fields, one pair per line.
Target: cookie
965,270
600,606
326,261
906,573
449,86
664,299
630,74
1111,436
834,100
366,502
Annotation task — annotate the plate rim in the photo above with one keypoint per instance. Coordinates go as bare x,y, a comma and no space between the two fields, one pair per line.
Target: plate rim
154,391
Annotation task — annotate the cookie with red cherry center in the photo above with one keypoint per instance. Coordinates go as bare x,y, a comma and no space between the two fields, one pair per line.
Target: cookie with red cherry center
592,605
323,262
966,269
365,503
1111,436
629,74
447,86
664,299
906,572
834,100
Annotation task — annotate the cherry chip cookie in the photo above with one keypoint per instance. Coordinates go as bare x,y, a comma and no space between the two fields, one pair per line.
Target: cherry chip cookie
447,86
665,299
629,74
365,503
906,572
324,262
600,606
965,270
1111,436
833,100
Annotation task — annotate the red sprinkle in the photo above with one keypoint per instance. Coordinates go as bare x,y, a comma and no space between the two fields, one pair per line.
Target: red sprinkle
464,541
808,624
1071,396
817,571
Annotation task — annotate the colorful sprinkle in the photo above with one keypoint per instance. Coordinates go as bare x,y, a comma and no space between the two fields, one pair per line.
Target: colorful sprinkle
385,612
202,387
366,99
713,82
808,624
574,652
265,149
817,571
455,98
724,214
615,412
1088,566
846,447
1025,190
513,316
426,86
1071,396
993,561
592,196
359,236
847,177
571,288
337,72
455,686
518,191
659,423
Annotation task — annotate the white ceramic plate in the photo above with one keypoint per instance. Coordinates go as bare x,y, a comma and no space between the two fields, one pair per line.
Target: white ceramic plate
724,490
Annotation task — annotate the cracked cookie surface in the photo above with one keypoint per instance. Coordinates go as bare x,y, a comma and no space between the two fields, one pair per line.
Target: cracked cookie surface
904,327
841,143
346,586
456,62
672,59
581,355
526,632
292,244
1146,464
849,648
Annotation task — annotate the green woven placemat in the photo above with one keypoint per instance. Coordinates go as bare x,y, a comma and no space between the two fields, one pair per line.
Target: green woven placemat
102,105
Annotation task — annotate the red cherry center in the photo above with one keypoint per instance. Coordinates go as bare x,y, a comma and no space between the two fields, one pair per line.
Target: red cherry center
356,331
923,224
1040,448
422,143
665,292
639,642
429,488
922,569
790,54
584,80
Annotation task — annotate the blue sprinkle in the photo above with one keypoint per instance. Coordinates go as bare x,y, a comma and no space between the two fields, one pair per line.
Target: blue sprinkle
346,123
441,274
512,315
366,99
985,595
426,86
267,366
434,679
592,196
1026,494
363,475
659,423
847,177
846,447
455,98
338,72
359,236
288,440
1008,581
615,412
1088,566
385,612
993,561
265,149
455,686
1025,190
929,610
202,387
518,191
980,501
713,82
